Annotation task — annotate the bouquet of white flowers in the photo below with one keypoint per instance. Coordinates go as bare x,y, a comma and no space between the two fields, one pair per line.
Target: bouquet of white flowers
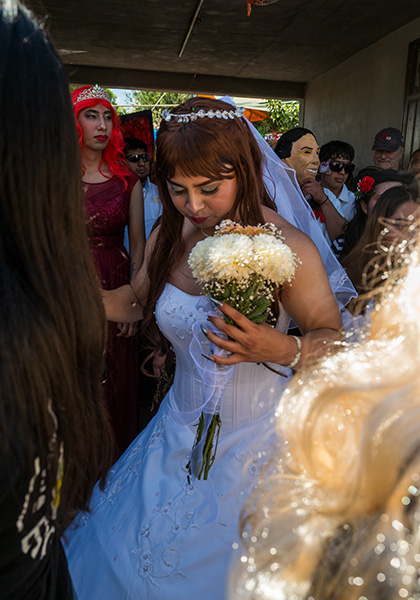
242,266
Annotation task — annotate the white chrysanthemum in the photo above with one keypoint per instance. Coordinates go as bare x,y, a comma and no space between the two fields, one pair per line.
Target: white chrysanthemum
231,257
274,260
197,259
240,256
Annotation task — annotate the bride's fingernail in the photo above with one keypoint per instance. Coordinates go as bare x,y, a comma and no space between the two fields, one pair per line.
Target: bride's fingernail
216,302
204,330
208,357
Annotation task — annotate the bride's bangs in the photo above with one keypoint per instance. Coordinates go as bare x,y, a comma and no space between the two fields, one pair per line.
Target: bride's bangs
197,151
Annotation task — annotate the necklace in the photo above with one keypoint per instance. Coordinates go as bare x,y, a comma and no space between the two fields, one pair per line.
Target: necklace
204,233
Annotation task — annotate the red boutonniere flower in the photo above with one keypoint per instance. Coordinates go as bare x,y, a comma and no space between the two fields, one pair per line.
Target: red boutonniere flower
366,184
365,187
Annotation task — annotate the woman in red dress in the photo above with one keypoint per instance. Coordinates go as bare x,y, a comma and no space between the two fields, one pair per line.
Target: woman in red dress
113,200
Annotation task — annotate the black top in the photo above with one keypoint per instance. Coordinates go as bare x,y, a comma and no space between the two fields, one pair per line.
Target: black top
33,565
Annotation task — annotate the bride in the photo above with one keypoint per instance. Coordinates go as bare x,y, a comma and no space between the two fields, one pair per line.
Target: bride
153,533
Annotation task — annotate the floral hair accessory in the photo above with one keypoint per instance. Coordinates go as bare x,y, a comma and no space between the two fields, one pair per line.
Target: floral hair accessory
324,168
365,187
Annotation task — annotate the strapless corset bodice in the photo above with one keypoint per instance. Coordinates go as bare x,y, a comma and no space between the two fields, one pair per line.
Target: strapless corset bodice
252,391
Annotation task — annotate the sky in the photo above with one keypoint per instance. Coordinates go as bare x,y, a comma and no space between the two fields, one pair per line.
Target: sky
120,95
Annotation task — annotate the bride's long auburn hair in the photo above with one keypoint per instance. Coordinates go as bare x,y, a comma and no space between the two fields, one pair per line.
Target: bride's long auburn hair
216,148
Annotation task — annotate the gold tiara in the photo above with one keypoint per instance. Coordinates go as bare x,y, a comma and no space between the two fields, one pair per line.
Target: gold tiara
93,93
200,114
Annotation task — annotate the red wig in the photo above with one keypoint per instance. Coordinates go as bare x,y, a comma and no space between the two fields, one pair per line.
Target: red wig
113,153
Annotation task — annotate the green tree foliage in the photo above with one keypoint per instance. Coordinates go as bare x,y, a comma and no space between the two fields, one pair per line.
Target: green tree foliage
154,101
283,115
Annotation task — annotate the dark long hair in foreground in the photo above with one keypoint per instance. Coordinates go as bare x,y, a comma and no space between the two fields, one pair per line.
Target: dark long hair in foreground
52,323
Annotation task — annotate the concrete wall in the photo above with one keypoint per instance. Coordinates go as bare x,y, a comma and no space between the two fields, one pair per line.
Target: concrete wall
364,94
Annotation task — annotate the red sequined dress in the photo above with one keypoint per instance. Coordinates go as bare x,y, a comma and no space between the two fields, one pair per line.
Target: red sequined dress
107,208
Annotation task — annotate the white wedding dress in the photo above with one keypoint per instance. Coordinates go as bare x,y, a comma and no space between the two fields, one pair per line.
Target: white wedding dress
151,535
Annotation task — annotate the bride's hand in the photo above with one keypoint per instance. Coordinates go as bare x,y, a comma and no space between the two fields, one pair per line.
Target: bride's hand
309,302
250,342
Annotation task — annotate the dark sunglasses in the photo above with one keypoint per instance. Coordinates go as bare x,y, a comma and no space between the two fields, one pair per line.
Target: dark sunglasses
337,166
135,158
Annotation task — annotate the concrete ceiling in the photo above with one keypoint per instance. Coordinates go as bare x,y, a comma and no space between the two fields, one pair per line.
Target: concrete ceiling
272,53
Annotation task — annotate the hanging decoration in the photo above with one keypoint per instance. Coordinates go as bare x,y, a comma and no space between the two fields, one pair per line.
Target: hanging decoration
258,3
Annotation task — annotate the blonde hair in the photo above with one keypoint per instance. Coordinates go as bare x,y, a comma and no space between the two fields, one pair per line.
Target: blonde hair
337,516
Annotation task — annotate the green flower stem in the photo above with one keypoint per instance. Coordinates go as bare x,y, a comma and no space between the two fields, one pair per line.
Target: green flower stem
198,436
249,293
226,292
210,446
255,308
211,461
200,429
208,459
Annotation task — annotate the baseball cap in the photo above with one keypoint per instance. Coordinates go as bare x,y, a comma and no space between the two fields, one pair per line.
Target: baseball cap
389,139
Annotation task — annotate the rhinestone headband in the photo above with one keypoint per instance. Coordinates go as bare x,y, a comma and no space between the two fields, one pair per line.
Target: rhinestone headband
200,114
93,93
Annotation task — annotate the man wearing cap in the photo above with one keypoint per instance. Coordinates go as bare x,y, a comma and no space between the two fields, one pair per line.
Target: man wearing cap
388,148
